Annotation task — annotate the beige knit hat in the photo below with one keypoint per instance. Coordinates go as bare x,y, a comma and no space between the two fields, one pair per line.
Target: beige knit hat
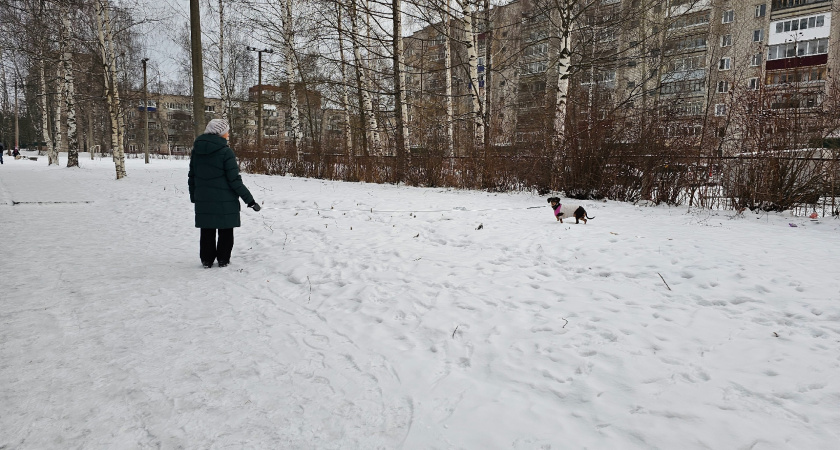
217,126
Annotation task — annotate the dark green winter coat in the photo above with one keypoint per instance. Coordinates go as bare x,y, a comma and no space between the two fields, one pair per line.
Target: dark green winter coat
215,184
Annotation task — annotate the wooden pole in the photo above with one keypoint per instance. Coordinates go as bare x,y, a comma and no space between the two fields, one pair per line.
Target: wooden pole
197,68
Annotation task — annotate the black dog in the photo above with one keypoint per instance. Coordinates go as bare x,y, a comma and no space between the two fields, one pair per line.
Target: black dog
561,210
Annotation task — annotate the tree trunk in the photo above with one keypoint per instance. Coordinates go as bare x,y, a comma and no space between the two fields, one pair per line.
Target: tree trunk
368,118
376,143
52,156
486,97
59,109
289,51
564,62
90,139
69,92
472,68
400,107
345,98
447,58
110,82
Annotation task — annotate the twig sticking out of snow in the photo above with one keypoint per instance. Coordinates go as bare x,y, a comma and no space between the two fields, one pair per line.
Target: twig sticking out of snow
663,280
567,322
310,289
454,331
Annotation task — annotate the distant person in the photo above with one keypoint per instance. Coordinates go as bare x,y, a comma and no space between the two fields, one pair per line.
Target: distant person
1,152
16,153
215,188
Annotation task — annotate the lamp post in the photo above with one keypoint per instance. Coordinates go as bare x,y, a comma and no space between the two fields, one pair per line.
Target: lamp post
259,91
145,111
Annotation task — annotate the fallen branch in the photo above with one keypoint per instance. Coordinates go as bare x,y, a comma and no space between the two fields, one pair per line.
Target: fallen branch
663,280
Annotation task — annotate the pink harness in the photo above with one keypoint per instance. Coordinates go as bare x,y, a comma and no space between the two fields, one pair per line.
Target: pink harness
557,209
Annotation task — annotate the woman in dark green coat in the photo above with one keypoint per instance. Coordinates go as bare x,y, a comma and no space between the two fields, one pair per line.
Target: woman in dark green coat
215,189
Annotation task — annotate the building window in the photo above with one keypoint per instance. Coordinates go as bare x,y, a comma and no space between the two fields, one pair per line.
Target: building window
725,63
209,108
794,49
753,84
758,35
720,110
729,16
760,10
726,40
756,60
723,87
800,24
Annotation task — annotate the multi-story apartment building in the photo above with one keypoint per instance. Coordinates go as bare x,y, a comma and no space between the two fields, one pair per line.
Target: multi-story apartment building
713,70
171,124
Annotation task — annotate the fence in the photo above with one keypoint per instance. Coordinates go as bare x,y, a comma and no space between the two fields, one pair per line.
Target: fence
771,181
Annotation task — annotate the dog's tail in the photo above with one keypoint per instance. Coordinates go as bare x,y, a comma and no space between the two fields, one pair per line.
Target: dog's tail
590,218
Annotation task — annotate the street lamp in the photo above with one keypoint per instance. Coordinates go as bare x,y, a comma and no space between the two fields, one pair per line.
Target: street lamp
259,91
145,110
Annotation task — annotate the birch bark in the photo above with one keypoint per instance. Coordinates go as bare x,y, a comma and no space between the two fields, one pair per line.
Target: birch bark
401,109
289,50
564,62
447,59
106,45
52,156
345,95
69,91
472,68
59,108
369,119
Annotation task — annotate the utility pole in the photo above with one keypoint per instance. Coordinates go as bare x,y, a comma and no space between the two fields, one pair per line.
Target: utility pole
145,110
197,67
259,92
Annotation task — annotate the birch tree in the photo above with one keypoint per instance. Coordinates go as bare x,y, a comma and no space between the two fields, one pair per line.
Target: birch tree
291,70
106,45
400,107
345,84
371,134
58,104
470,40
450,116
565,17
52,154
69,89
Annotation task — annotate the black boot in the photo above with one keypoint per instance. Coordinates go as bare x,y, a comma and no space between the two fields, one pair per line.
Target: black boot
208,264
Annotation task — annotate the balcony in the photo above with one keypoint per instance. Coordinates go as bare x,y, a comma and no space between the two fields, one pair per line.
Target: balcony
779,5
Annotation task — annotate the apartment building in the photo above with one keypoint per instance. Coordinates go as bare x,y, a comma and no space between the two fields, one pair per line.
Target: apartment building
171,123
695,66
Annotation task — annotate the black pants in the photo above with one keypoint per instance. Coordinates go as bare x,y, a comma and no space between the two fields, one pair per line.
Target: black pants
210,251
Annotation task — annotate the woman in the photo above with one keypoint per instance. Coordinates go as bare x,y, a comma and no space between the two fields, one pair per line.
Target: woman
215,188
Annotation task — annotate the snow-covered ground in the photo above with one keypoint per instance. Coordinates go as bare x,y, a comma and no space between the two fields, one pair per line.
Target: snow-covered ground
359,316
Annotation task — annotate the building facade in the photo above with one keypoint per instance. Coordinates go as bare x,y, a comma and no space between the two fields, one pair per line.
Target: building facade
712,71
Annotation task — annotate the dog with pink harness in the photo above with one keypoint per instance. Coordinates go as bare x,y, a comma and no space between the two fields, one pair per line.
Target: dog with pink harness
562,211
